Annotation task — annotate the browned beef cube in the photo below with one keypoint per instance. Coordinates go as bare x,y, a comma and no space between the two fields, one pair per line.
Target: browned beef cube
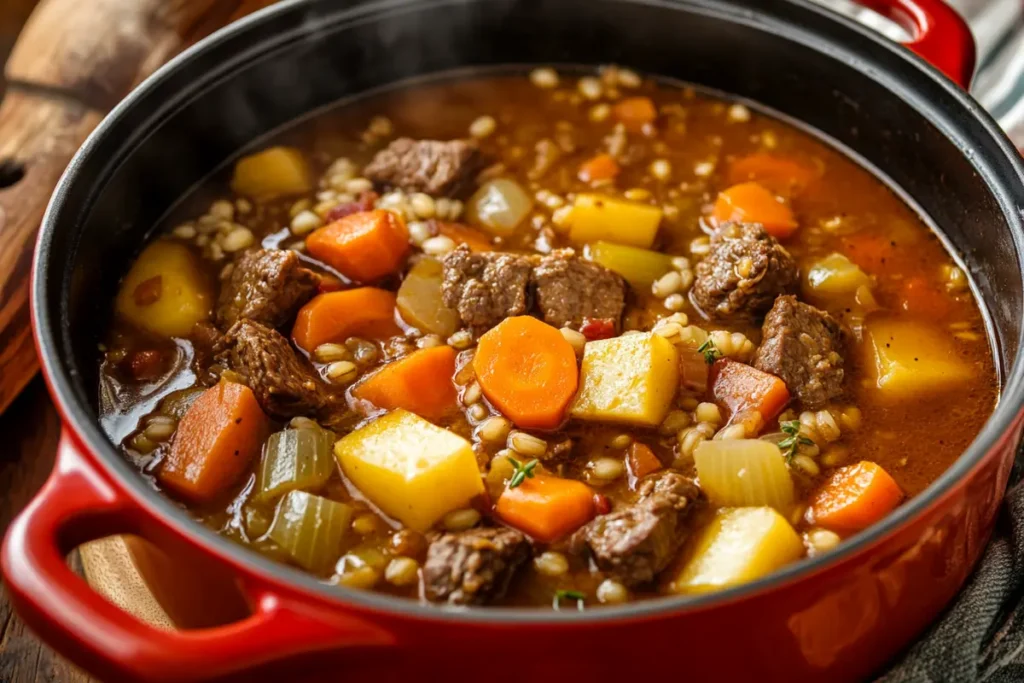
267,286
802,345
743,273
571,289
438,168
635,543
473,567
284,386
486,288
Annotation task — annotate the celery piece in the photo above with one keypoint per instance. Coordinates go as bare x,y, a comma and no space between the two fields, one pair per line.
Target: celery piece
294,459
310,529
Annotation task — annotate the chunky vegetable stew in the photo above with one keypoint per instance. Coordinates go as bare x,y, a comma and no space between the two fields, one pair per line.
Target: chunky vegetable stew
560,340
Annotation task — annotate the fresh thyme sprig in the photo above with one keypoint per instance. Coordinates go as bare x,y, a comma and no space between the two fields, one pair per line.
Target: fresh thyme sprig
522,472
793,440
710,351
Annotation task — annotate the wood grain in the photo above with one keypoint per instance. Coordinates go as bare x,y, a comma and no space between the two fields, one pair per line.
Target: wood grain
30,428
73,61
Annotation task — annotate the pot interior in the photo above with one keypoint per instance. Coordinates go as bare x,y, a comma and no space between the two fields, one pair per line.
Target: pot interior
918,132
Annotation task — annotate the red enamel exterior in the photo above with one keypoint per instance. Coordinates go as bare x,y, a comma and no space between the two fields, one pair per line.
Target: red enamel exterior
839,623
939,35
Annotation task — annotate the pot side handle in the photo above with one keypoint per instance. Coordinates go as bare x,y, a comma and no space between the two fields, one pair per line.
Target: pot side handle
940,35
78,504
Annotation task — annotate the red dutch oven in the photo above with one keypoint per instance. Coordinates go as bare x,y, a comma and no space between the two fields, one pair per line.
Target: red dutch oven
835,618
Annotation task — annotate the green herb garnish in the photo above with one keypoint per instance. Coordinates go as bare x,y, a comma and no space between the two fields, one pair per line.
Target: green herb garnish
794,440
710,351
523,472
568,595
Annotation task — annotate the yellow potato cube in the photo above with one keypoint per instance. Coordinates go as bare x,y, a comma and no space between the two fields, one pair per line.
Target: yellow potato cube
739,545
836,275
640,267
165,291
411,469
913,359
274,172
630,379
595,217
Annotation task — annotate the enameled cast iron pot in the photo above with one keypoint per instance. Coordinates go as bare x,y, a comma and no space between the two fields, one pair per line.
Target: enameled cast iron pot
836,618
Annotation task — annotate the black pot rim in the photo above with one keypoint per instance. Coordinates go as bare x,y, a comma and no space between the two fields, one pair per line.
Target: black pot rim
78,418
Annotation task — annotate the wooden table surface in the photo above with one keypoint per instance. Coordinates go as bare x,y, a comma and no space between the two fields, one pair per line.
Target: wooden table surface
104,48
30,428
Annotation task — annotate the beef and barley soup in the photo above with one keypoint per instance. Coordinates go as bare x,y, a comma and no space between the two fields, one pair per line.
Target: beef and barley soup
554,340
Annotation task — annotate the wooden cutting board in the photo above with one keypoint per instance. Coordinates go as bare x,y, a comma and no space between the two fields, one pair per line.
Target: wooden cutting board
71,64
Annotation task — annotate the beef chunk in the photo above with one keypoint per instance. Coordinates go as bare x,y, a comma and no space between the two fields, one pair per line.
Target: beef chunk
473,567
635,543
743,273
485,288
437,168
802,345
283,385
570,289
266,286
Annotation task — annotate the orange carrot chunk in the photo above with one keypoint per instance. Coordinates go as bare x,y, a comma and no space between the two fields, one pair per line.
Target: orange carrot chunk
362,246
741,387
420,383
546,508
335,316
635,113
463,234
641,461
217,438
752,203
528,370
601,167
869,251
855,497
922,297
778,174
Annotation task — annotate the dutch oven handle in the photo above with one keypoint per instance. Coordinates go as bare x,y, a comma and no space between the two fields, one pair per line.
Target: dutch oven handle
78,504
939,34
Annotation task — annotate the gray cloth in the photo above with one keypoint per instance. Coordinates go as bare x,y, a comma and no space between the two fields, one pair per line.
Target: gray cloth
981,636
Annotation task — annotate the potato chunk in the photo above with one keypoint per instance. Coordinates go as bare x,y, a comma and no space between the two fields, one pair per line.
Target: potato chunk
595,217
165,292
274,172
739,545
630,379
419,299
640,267
412,470
913,359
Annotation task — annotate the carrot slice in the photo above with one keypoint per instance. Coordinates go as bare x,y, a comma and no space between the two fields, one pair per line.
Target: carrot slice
855,497
420,383
362,246
547,508
635,113
924,298
528,370
463,234
779,174
217,438
740,387
641,461
752,203
335,316
601,167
